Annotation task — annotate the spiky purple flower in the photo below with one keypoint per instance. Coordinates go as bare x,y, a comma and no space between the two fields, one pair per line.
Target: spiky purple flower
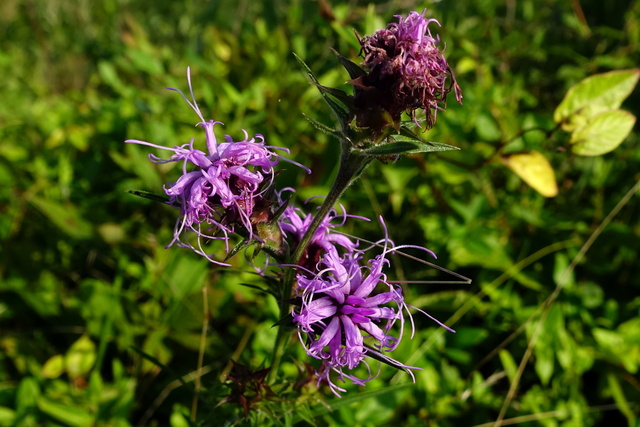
295,223
407,70
344,304
219,189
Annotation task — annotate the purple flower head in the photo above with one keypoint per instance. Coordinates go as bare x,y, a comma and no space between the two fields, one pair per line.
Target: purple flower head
221,188
295,223
345,303
407,71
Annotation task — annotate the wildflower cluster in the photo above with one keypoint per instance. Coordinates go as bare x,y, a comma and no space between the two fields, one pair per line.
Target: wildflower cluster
342,302
346,311
220,189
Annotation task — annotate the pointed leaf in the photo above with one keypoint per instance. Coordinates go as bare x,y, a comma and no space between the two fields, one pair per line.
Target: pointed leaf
278,213
508,363
376,355
258,288
80,358
340,110
407,147
68,415
237,248
286,322
352,68
54,367
604,133
340,95
405,130
65,216
322,127
535,170
621,400
159,364
594,95
151,196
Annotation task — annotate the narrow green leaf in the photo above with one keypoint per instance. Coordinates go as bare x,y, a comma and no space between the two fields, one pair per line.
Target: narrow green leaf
406,130
341,112
594,95
323,128
620,399
151,196
237,248
68,415
285,322
604,133
407,147
385,359
65,216
27,394
509,364
340,95
352,68
258,288
158,363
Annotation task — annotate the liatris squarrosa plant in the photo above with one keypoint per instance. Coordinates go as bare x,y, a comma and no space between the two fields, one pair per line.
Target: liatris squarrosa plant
331,288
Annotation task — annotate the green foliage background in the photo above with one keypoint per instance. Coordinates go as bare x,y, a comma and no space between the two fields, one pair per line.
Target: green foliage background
98,322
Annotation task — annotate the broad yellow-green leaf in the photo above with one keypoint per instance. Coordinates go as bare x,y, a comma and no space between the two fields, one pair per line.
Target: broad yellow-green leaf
535,170
80,357
7,416
603,133
595,95
54,367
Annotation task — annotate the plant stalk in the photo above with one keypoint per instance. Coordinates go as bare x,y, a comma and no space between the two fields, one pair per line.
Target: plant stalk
351,166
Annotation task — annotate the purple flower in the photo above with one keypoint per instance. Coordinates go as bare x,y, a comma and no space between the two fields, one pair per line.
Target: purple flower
295,223
341,305
220,189
407,71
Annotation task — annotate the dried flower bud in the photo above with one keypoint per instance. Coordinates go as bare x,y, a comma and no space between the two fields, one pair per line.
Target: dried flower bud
406,72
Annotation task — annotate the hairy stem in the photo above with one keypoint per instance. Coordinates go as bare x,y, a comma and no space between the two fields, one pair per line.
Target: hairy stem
351,166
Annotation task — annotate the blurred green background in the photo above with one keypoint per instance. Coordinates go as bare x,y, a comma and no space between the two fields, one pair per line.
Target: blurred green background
99,323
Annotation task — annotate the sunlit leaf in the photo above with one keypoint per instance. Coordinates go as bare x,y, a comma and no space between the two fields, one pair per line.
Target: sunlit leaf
508,363
81,357
70,416
544,363
535,170
621,401
27,394
7,417
54,367
594,95
604,133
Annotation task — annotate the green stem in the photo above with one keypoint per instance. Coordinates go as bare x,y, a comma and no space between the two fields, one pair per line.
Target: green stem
351,166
